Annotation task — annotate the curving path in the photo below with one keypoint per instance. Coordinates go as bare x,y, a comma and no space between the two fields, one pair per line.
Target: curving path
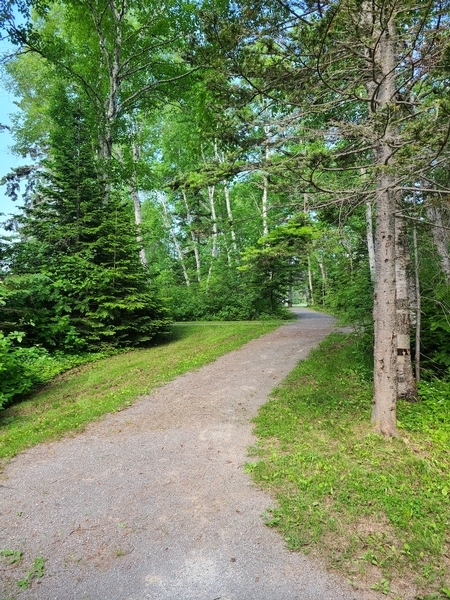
153,502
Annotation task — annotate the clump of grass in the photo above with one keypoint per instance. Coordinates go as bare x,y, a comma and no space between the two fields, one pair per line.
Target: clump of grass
377,509
85,393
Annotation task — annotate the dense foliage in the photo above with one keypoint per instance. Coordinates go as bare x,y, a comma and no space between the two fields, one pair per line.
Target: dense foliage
222,160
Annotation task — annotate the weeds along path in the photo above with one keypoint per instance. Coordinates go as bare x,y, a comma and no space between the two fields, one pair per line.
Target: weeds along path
153,502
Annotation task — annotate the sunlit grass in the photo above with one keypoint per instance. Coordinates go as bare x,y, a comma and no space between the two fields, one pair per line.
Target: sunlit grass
378,509
85,393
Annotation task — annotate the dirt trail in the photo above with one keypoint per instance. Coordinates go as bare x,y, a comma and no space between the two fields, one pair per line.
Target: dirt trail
153,502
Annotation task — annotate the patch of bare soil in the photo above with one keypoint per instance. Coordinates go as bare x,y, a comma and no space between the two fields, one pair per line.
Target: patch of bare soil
153,502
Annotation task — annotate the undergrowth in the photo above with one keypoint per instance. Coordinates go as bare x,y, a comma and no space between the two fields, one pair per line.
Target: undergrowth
377,509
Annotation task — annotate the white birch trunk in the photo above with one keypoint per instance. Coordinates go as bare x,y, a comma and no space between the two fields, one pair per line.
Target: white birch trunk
111,59
193,238
265,194
230,217
214,250
369,237
220,157
134,189
405,379
418,305
310,282
441,239
168,225
323,274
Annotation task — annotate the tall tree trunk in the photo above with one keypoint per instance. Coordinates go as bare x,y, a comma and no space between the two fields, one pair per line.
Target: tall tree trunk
134,189
193,237
406,385
220,157
369,237
265,194
441,238
215,232
230,217
310,282
418,305
382,96
111,59
168,225
322,274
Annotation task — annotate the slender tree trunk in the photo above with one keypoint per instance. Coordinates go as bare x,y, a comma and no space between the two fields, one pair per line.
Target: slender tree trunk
369,237
111,58
323,275
230,217
265,194
310,282
385,347
167,223
193,237
134,189
418,305
214,249
441,238
220,157
405,379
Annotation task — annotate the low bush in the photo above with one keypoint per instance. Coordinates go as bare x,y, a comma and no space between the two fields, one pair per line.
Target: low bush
24,369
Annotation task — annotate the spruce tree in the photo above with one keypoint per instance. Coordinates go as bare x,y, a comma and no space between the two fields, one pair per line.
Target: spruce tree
98,290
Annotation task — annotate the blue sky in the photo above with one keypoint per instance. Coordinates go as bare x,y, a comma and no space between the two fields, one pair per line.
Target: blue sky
7,158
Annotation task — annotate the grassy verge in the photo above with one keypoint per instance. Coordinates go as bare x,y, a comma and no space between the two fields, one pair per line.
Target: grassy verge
378,510
85,393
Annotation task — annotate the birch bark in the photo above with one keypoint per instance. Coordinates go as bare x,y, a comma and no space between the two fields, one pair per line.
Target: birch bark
310,282
369,237
168,225
134,190
215,232
418,305
441,238
405,379
193,237
265,194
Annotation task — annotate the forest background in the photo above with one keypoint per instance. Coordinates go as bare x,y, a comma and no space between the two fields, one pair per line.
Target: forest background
215,160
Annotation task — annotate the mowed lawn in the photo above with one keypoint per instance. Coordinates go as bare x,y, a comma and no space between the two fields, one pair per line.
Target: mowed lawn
85,393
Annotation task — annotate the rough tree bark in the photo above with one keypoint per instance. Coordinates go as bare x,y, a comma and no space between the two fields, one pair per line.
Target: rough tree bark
383,91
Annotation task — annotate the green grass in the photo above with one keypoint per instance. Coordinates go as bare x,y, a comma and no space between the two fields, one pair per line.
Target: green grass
85,393
377,509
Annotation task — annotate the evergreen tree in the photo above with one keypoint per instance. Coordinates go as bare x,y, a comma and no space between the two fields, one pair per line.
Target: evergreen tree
98,291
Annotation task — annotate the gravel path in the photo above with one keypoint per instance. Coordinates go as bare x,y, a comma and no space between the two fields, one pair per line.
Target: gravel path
153,502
